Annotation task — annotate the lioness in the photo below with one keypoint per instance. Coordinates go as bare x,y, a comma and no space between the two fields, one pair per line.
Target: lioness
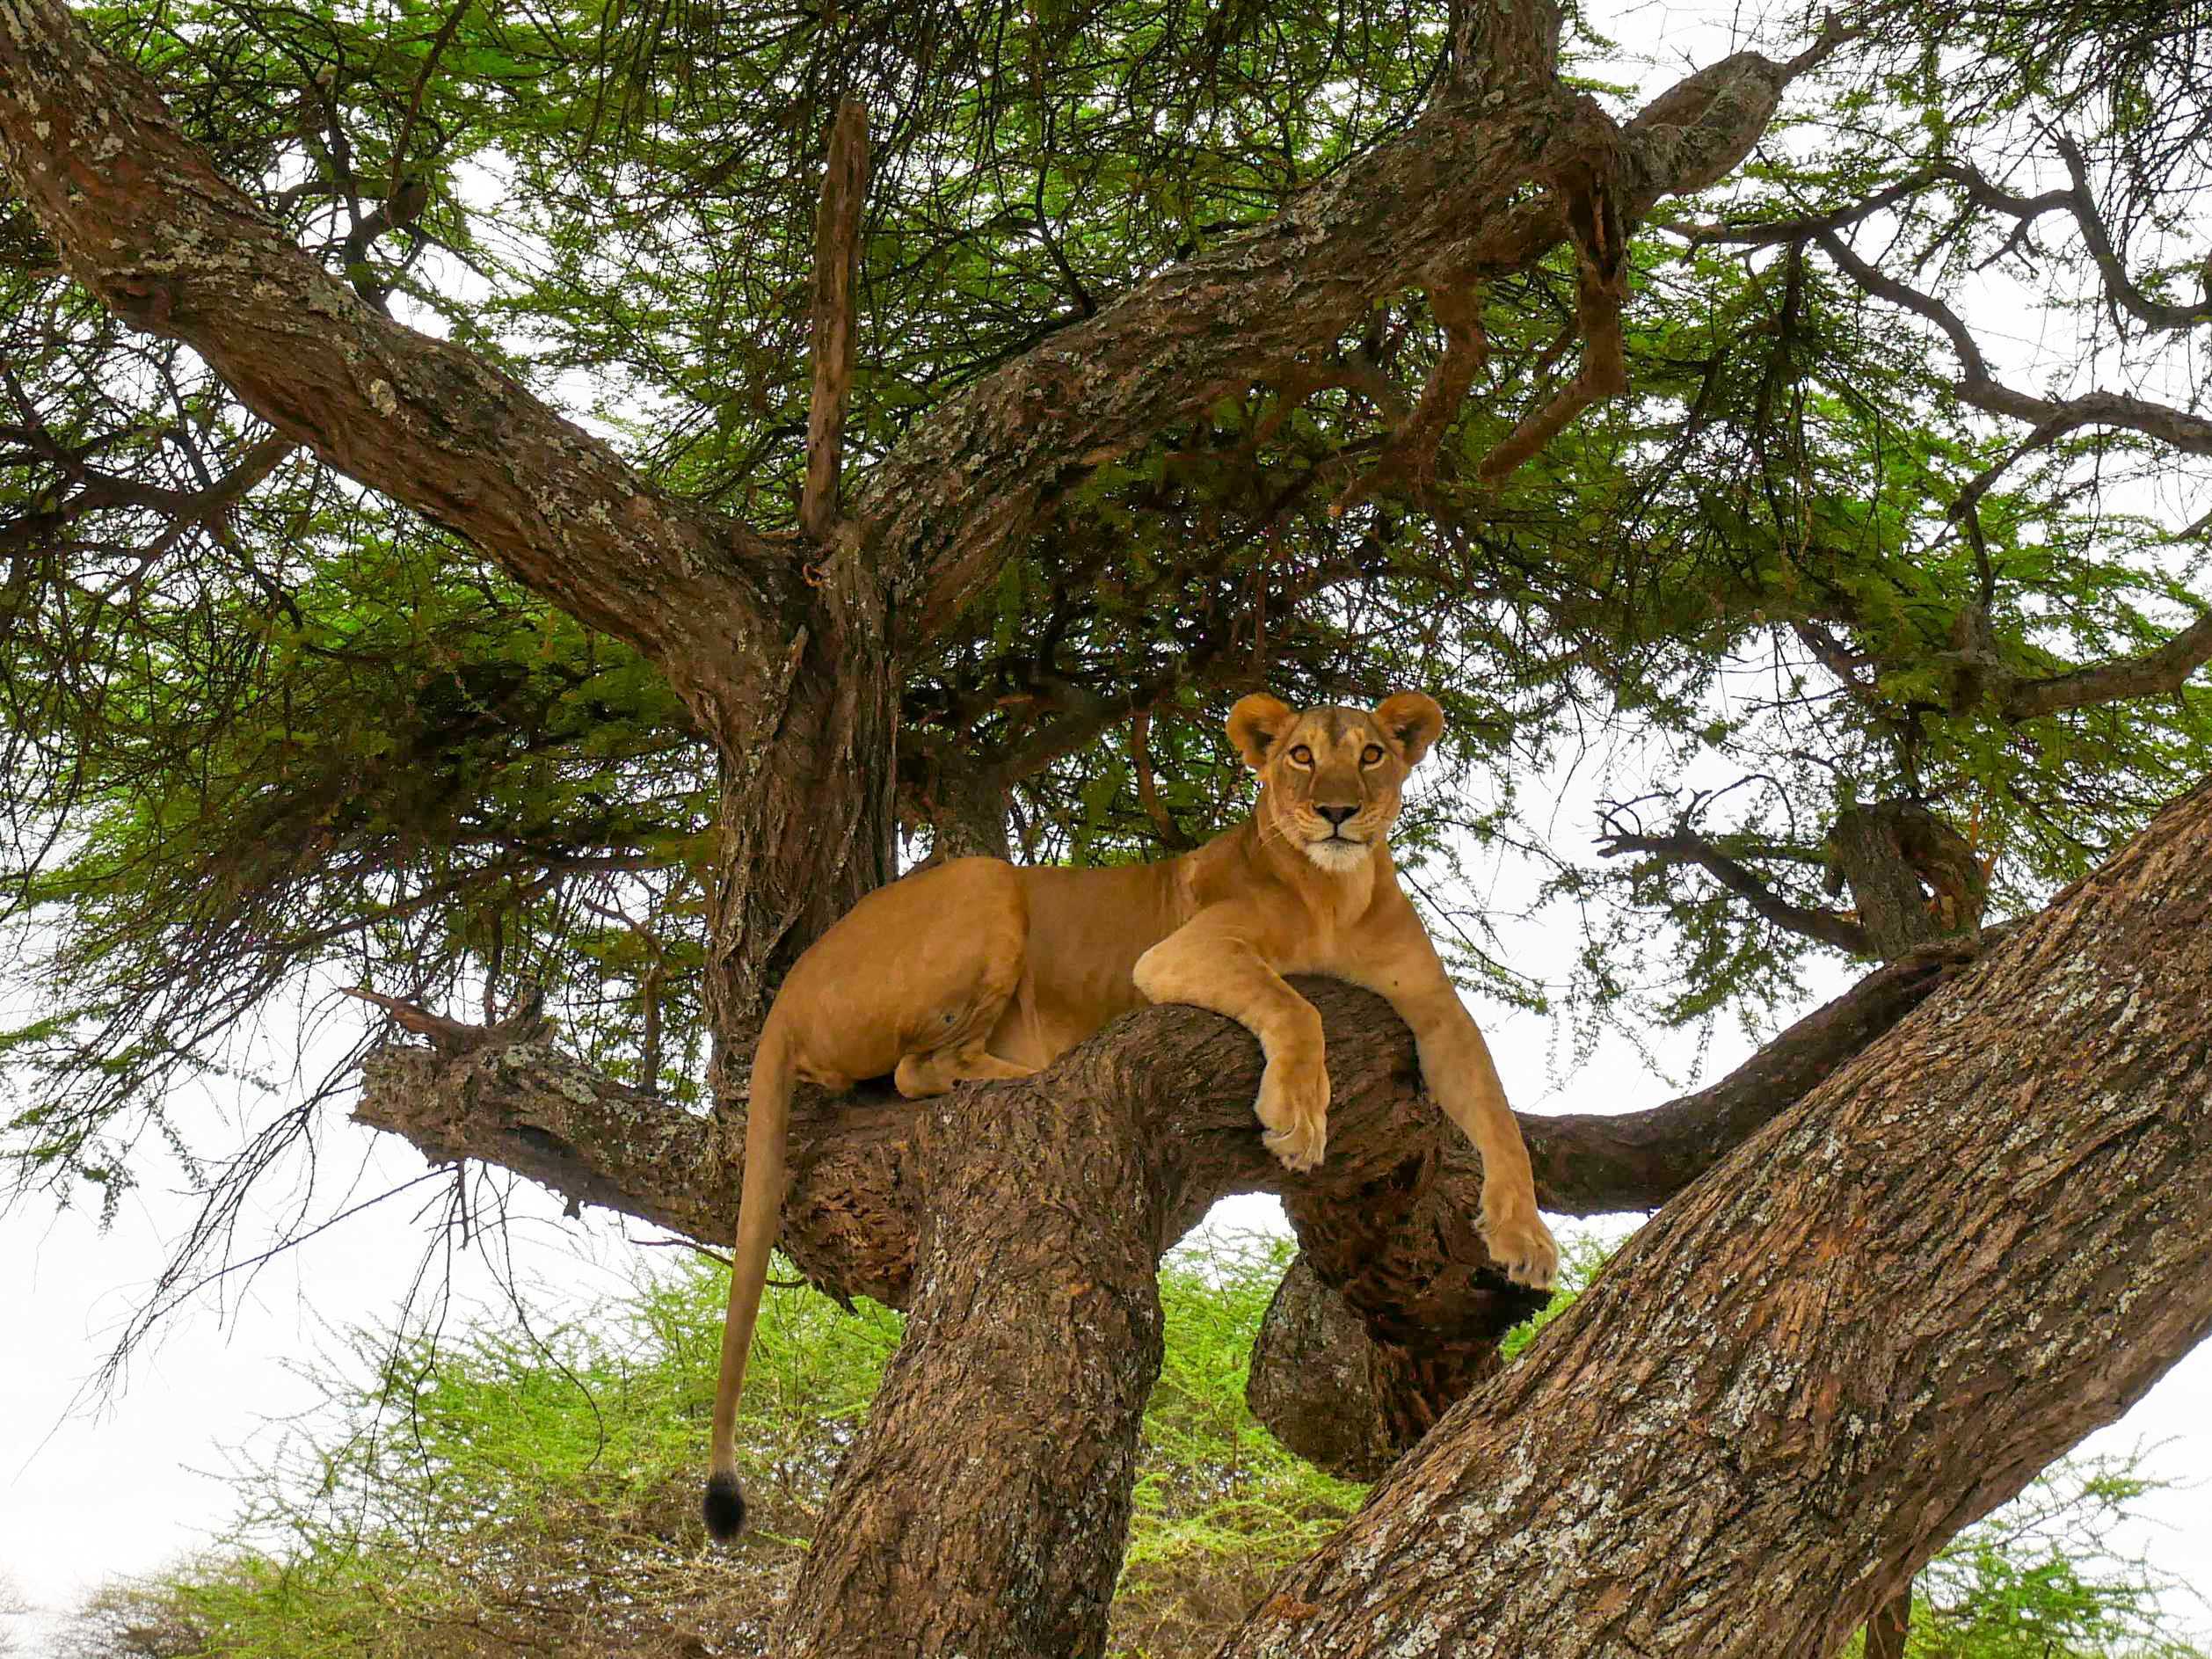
977,969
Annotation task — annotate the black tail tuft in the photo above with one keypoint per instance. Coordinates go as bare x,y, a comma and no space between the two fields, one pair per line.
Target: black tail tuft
724,1507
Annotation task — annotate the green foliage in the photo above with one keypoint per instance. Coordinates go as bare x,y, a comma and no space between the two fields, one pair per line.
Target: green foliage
263,735
503,1482
503,1485
1221,1507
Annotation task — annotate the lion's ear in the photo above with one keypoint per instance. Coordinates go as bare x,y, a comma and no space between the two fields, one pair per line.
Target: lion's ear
1413,720
1257,724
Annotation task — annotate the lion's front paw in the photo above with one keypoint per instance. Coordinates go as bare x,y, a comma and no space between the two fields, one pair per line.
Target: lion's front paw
1520,1244
1293,1106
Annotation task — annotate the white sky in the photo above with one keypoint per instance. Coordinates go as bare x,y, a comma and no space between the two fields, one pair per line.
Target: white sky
84,1497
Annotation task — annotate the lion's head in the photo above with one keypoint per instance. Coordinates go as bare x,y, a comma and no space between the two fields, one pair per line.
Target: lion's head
1331,778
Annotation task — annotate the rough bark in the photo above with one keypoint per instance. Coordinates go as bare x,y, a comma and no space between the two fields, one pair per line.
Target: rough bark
1975,1243
1314,1380
1118,1150
1913,878
807,808
540,1111
1398,1376
1891,1625
983,1509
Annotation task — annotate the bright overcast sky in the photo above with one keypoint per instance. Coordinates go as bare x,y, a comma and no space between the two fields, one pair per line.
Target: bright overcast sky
127,1488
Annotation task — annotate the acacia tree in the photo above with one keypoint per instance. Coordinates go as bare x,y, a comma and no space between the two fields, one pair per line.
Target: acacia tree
1324,348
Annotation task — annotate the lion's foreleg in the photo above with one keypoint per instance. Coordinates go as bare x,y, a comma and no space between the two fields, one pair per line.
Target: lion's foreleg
1215,961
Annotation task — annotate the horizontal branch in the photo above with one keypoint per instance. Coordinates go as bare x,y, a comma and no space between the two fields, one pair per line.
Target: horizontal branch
2162,669
1591,1164
532,1108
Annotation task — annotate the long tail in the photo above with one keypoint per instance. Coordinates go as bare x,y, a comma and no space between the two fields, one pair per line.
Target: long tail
760,1217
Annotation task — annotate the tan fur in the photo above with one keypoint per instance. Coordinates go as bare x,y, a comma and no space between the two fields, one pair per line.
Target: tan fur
975,969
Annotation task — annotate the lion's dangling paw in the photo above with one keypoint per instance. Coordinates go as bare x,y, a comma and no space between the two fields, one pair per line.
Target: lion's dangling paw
1522,1246
1293,1106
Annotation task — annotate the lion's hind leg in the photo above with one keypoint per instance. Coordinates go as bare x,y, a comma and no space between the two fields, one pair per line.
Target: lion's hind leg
974,968
920,1074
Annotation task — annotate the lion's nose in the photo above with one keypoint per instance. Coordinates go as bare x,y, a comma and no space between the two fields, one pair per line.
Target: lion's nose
1336,814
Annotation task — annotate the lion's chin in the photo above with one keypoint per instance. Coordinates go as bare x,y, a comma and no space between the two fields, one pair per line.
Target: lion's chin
1337,855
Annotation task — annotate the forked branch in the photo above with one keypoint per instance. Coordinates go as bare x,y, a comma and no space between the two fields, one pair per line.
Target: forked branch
1599,232
1684,845
1411,453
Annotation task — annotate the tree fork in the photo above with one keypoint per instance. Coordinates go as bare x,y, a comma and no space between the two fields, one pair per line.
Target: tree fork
1978,1240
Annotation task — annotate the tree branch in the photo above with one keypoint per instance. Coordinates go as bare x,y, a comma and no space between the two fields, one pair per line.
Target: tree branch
1594,1164
1600,290
2118,284
2188,433
1684,847
530,1107
2163,668
1411,453
1434,206
172,247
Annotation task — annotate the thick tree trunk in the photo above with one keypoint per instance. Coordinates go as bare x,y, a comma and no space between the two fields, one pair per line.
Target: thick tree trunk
983,1509
1877,1320
1003,1380
1888,1630
808,811
1352,1389
1913,878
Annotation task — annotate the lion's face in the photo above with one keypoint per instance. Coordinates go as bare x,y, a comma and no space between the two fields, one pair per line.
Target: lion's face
1332,777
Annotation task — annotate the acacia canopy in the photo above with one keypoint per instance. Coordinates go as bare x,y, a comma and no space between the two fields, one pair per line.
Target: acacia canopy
409,580
1834,546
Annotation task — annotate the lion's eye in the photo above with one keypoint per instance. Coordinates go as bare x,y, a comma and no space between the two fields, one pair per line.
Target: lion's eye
1371,755
1302,755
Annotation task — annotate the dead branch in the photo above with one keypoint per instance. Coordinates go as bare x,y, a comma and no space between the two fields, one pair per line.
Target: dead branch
835,323
452,1038
1684,845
